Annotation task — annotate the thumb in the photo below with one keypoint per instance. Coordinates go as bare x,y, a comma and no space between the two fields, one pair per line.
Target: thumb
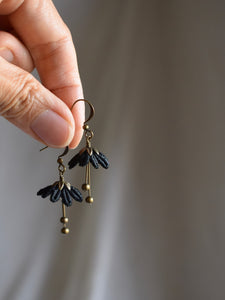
34,109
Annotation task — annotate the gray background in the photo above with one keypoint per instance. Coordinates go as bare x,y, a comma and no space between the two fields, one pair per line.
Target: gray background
154,71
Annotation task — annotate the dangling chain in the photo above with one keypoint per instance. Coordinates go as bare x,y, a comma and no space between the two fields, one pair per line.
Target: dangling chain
62,170
87,185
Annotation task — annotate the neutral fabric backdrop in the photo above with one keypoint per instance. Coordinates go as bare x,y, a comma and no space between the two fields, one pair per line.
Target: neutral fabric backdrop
155,72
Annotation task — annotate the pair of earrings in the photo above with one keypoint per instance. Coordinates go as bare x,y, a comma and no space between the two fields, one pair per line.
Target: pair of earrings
64,190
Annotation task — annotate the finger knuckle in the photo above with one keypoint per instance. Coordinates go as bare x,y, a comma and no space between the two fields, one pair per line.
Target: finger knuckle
43,52
19,100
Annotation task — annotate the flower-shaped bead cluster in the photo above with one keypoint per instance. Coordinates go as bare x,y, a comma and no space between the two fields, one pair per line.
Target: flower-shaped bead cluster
64,191
87,155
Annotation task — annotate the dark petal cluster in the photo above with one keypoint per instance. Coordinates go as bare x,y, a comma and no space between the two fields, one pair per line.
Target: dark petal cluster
99,158
65,194
82,158
48,190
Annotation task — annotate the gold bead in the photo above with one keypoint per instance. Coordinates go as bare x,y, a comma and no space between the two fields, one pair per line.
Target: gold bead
86,187
59,160
64,220
65,230
86,127
89,199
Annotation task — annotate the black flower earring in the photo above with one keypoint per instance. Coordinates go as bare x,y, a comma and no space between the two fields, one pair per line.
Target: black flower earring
61,189
88,155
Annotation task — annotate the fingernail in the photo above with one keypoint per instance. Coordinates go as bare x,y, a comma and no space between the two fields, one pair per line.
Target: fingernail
7,54
52,129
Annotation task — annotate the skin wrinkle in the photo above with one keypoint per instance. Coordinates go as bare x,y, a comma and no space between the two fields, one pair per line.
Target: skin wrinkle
39,15
52,47
31,113
75,83
71,72
18,104
60,89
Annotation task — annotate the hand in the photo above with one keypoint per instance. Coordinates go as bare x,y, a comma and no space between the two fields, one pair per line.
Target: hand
34,35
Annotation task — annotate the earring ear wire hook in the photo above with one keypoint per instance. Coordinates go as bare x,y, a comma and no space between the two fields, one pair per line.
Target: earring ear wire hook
92,110
92,113
44,148
66,150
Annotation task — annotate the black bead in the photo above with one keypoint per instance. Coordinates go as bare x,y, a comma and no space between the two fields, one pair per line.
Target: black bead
94,161
55,195
44,191
84,158
74,161
102,160
76,194
66,199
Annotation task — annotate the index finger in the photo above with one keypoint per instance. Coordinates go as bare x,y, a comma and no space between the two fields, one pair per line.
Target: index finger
50,43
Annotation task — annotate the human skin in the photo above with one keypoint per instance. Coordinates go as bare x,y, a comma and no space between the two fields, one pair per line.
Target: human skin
32,34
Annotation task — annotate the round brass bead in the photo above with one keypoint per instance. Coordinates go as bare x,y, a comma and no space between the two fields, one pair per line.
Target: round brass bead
86,127
65,230
64,220
86,187
89,199
59,160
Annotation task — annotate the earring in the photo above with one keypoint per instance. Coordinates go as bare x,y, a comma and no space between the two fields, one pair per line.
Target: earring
61,189
88,155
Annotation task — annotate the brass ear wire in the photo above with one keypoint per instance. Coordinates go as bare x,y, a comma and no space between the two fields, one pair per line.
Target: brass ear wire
43,148
92,110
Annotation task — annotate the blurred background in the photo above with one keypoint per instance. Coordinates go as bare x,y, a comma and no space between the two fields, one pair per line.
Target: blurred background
155,72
